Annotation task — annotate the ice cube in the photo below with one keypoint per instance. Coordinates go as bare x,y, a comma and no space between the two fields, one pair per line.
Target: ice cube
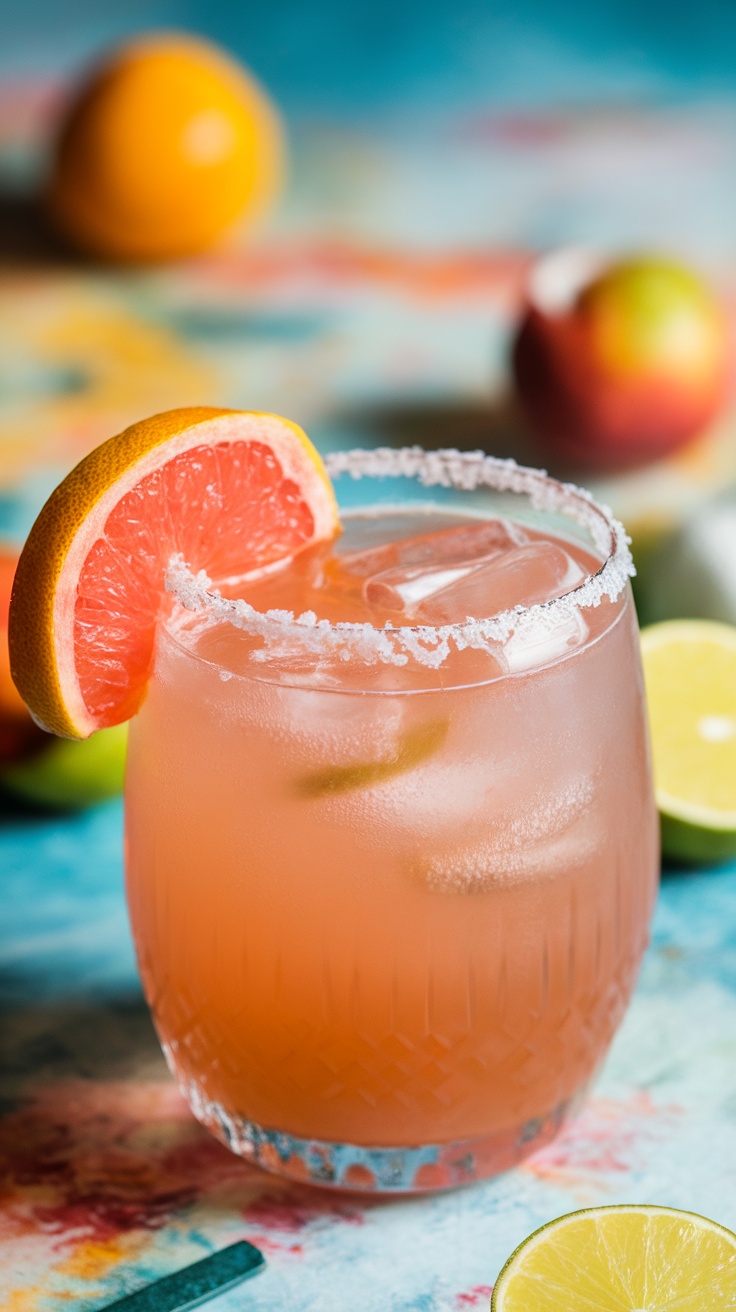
405,575
551,834
405,589
544,641
481,868
442,548
518,576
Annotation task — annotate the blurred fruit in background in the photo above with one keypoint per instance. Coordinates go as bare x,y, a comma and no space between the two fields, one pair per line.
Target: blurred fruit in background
34,765
166,147
691,572
18,733
68,774
616,364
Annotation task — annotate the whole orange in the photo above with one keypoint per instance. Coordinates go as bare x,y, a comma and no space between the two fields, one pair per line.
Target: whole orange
166,146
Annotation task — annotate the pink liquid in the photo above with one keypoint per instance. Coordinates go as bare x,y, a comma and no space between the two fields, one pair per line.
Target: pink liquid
395,905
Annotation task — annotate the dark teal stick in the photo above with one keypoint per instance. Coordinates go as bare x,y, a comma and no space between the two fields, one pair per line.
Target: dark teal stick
195,1284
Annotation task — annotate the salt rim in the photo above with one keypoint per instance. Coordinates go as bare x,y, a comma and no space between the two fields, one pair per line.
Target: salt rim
429,644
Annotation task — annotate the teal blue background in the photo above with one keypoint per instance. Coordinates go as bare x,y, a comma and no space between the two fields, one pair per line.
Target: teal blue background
327,56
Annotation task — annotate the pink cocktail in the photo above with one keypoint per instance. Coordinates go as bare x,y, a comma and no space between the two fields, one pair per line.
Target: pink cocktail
392,845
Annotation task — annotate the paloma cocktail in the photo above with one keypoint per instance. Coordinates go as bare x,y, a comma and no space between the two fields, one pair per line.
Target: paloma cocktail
390,886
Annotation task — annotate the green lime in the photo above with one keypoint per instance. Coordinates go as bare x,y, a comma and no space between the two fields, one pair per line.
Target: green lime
690,572
67,773
690,675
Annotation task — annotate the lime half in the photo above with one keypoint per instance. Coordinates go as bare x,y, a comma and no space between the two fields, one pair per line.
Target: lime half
621,1259
690,674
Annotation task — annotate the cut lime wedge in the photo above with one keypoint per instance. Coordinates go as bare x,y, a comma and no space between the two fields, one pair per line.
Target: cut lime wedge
621,1259
690,674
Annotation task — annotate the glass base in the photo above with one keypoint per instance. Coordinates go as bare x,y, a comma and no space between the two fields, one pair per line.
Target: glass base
401,1169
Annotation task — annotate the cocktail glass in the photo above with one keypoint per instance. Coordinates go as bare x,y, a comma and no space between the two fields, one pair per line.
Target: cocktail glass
390,888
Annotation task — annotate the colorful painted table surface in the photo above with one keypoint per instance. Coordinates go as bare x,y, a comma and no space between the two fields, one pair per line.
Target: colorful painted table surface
376,308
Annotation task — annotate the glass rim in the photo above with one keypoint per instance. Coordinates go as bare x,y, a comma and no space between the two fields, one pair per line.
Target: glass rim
465,471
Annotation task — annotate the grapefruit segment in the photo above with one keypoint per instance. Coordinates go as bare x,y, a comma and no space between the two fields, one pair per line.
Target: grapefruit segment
229,490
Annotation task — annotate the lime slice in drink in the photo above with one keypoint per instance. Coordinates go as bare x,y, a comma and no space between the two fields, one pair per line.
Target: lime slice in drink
413,747
690,674
621,1259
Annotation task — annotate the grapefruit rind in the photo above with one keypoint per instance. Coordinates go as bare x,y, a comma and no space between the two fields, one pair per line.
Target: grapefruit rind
41,627
562,1264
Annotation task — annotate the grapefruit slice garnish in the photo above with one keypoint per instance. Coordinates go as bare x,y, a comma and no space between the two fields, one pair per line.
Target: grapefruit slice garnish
230,490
